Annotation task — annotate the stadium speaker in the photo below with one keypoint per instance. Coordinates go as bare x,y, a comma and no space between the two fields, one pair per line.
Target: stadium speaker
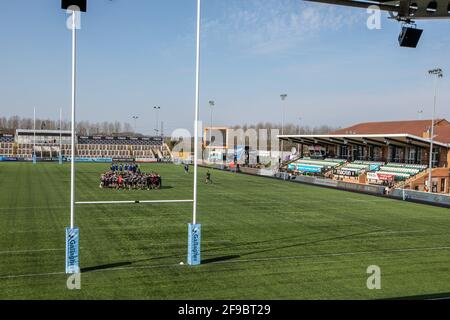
409,37
82,4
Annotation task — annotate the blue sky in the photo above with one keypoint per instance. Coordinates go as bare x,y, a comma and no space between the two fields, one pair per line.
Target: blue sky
135,54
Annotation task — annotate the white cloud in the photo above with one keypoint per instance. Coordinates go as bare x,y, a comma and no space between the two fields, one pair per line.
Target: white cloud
271,26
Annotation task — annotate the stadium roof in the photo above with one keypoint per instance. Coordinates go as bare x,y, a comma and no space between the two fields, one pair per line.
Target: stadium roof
401,139
30,132
419,128
401,133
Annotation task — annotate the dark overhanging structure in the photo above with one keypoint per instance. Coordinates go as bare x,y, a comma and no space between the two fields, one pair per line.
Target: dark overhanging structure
80,5
372,147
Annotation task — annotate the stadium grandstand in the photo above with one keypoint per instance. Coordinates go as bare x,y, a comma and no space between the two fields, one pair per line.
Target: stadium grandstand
393,153
48,143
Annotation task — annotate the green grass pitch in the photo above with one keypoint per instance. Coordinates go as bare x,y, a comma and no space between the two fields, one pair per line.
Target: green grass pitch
262,239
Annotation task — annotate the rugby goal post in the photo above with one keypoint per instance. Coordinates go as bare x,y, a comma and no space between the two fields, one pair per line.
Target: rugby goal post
75,7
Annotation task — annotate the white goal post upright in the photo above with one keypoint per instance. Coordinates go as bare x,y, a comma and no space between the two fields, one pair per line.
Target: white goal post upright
74,7
73,138
60,136
197,107
194,229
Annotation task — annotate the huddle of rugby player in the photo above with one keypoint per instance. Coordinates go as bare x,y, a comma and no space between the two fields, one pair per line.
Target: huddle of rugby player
130,177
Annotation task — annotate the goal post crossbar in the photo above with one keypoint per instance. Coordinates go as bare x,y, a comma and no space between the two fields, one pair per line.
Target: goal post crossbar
132,202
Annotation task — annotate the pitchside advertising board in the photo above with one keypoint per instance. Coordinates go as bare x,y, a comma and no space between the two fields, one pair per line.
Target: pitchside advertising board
9,159
146,160
348,173
123,159
72,245
380,176
99,160
310,169
194,239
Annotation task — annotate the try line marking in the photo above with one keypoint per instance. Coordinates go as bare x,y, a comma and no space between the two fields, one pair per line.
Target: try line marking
236,261
132,202
29,251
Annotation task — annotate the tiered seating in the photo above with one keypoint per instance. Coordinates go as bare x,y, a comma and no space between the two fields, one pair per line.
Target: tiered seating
119,147
402,171
6,145
407,165
339,161
370,163
313,166
6,138
352,169
120,141
356,168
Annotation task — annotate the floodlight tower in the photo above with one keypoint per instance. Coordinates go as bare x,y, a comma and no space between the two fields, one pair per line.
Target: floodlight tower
157,109
212,103
438,74
135,118
74,7
299,133
420,113
283,99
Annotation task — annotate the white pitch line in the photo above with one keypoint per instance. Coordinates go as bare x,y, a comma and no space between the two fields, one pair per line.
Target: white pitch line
237,261
398,232
132,202
31,275
29,251
31,208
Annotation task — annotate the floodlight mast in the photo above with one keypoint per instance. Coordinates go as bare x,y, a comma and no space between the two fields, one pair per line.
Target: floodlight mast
135,118
212,103
283,99
438,74
157,109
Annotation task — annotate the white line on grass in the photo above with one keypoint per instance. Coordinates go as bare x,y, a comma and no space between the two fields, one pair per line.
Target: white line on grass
397,232
31,208
237,261
29,251
31,275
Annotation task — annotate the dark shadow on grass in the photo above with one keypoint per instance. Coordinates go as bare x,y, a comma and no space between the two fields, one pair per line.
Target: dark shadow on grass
249,243
220,259
233,246
312,242
105,267
436,296
159,258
